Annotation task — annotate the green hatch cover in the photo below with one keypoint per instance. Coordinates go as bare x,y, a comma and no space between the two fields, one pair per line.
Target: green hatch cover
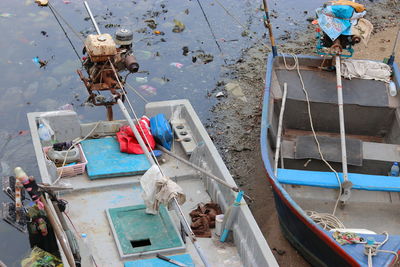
141,233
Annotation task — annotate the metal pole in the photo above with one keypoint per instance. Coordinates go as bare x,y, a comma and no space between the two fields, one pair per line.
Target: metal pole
91,17
135,132
58,233
212,176
189,231
278,139
346,183
391,58
268,24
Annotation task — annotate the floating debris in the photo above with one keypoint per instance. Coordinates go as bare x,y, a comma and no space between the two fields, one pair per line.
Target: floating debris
158,32
179,26
150,90
40,63
141,79
151,23
206,58
143,54
110,25
160,81
185,50
6,15
177,65
219,94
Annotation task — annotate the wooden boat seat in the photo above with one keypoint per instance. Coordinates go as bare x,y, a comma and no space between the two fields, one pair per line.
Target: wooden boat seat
306,148
329,180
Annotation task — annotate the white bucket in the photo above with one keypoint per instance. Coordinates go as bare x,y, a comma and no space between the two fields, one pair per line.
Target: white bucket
219,219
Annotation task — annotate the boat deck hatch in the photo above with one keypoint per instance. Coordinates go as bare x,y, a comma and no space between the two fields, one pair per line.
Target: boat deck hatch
138,233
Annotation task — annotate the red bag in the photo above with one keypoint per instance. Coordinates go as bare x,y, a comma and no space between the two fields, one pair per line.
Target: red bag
127,140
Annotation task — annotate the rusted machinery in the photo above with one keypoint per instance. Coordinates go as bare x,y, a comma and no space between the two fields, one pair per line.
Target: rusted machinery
104,63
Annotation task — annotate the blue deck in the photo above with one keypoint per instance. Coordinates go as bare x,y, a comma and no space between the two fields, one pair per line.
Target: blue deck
105,159
382,258
329,180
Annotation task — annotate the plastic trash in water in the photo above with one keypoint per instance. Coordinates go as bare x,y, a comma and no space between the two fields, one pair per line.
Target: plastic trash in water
66,107
177,65
179,26
394,171
150,90
36,61
141,79
6,15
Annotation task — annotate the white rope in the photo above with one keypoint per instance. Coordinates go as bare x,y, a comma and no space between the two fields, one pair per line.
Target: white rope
326,220
297,67
73,145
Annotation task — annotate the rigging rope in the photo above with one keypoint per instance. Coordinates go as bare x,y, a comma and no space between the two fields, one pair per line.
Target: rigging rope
241,25
66,35
209,26
297,67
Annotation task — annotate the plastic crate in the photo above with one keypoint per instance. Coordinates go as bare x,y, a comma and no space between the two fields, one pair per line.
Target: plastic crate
73,170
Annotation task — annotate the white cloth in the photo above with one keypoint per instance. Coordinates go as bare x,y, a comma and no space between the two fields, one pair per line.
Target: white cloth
158,189
365,69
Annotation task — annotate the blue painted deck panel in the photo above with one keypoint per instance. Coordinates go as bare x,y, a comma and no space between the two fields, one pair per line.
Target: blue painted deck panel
105,159
329,180
381,259
156,262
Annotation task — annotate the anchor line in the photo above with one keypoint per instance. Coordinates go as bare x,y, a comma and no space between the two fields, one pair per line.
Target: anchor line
211,30
66,34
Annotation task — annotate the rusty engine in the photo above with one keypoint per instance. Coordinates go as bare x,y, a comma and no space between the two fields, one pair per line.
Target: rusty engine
104,63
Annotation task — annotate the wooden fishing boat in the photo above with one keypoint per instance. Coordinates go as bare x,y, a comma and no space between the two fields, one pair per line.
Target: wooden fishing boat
109,209
307,191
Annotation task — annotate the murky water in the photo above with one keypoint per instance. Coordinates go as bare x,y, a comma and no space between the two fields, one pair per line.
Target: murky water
30,31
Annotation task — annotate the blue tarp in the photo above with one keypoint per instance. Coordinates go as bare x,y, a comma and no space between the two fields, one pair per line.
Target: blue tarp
329,19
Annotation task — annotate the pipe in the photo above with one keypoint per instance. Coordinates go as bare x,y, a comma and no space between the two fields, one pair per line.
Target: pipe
58,233
91,17
346,183
391,58
268,24
189,231
278,140
212,176
231,217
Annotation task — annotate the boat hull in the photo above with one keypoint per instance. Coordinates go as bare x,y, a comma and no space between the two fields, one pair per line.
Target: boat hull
311,242
306,236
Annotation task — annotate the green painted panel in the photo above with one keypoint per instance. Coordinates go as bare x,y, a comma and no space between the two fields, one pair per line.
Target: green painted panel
147,232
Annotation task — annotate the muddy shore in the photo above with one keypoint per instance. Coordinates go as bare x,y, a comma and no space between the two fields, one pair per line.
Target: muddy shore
235,127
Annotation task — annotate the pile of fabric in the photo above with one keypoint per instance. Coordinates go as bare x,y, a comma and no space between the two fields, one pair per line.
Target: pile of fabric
157,129
344,20
203,219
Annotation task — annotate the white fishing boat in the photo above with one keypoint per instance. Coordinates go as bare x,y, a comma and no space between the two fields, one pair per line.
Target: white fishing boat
105,202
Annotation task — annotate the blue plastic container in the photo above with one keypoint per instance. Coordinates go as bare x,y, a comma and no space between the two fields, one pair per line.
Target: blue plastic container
161,130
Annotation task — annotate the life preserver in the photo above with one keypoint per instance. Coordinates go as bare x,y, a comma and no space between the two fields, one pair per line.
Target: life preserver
127,140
